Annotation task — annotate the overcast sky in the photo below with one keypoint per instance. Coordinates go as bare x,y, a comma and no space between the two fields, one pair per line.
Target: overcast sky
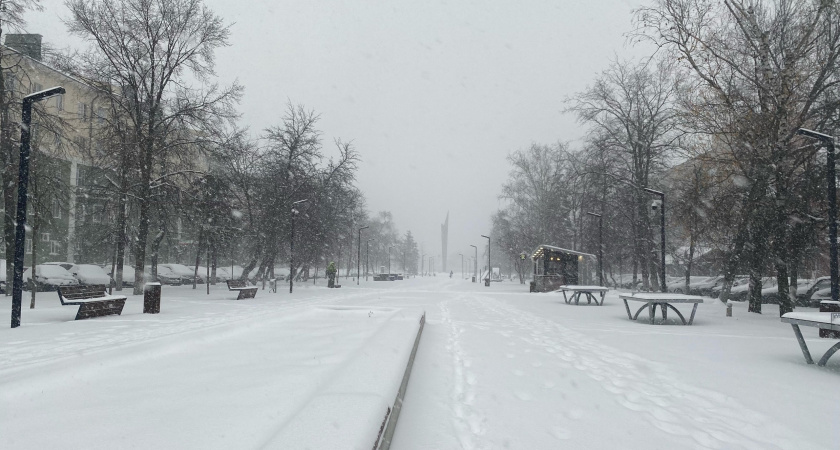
434,94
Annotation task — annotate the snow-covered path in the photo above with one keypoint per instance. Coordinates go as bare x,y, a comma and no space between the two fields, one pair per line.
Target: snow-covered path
496,368
506,377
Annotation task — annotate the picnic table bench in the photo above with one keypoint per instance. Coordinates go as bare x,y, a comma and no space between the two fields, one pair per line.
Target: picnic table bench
245,289
663,300
822,320
92,300
576,292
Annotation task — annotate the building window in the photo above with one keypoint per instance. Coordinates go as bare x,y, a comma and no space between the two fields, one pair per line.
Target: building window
10,82
56,209
57,139
59,102
37,87
81,143
29,246
45,237
55,247
82,111
100,115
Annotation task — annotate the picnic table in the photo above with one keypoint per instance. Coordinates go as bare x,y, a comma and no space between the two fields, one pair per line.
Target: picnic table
822,320
588,291
664,301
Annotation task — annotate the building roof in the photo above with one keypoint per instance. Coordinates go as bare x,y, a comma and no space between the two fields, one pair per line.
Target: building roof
539,251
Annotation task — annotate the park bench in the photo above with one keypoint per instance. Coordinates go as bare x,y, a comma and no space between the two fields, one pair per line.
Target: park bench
92,300
821,320
245,289
653,300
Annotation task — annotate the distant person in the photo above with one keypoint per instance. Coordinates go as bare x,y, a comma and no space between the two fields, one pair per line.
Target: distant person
450,273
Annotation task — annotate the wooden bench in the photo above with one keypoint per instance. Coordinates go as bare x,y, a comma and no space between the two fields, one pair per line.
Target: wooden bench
821,320
93,300
245,290
652,300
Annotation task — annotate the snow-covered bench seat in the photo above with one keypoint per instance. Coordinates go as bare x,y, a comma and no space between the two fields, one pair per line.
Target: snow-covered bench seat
822,320
245,290
653,299
93,301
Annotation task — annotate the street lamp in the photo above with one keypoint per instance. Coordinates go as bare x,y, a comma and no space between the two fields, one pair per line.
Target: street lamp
662,230
359,260
475,263
489,269
462,265
367,257
831,178
423,265
600,247
23,185
292,246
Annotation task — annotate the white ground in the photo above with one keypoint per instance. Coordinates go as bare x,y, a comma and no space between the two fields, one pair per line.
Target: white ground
496,368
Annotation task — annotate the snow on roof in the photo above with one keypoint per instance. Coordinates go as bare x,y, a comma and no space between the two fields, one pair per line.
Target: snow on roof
543,247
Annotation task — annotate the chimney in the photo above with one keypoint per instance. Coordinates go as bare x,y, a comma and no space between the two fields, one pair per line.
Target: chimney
28,44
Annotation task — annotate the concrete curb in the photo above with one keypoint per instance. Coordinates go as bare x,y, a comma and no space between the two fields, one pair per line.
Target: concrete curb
394,415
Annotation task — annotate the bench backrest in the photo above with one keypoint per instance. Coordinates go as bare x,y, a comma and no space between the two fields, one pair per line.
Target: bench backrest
82,292
237,283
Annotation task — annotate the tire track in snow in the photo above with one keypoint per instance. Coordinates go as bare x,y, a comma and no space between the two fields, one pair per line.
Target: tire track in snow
468,422
708,418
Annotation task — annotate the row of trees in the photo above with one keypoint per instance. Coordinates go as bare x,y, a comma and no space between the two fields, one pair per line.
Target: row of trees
711,120
170,156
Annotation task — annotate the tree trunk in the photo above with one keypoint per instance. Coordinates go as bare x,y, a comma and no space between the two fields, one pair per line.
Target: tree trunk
120,240
214,255
201,243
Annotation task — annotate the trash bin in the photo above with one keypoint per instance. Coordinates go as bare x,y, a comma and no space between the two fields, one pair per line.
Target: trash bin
151,298
473,279
487,282
829,306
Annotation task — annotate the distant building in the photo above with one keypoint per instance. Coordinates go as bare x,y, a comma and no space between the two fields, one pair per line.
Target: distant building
444,240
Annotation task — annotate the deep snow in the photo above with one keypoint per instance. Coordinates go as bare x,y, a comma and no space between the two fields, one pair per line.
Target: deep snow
497,367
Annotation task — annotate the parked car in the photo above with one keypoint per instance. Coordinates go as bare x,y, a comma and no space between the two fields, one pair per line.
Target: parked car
737,282
705,287
48,277
184,272
63,265
678,284
806,296
166,276
89,274
127,276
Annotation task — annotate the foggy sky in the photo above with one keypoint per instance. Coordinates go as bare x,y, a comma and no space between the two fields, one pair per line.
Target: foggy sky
434,95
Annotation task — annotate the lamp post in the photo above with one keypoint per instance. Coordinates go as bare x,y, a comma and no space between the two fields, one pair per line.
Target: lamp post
462,265
23,185
367,257
475,263
422,264
292,246
405,272
489,269
359,260
662,230
600,247
831,178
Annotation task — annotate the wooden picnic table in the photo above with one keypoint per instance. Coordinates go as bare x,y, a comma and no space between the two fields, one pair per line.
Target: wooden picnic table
663,300
822,320
588,291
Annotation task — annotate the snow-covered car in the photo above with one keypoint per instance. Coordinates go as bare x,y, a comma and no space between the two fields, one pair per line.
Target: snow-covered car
48,277
127,276
739,280
818,296
166,276
223,273
89,274
677,285
64,265
184,272
704,287
805,296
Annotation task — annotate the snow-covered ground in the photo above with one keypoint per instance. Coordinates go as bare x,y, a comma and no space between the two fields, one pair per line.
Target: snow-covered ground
497,367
